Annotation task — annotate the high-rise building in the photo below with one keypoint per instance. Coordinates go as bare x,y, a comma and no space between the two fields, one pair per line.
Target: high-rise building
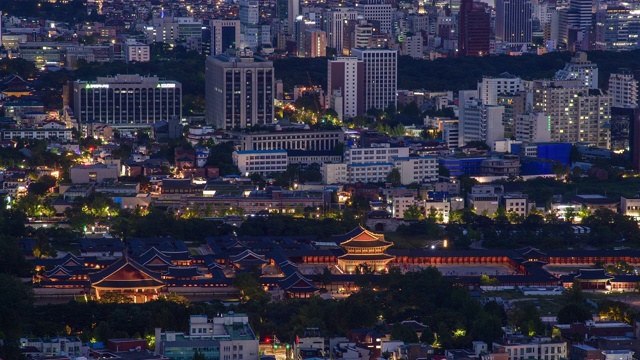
378,10
301,26
623,89
253,33
225,35
490,87
357,34
513,21
474,29
293,10
346,76
533,127
239,90
514,105
481,122
334,20
126,100
315,43
577,114
381,77
579,68
617,28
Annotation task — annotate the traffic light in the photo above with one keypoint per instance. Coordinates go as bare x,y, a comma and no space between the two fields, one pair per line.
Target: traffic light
287,346
275,346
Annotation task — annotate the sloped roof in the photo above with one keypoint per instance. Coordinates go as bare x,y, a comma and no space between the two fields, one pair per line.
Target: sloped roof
182,271
296,283
248,257
155,257
125,273
365,238
592,274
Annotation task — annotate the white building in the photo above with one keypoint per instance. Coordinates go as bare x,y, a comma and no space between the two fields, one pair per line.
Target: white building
451,133
49,131
401,203
533,127
412,46
225,34
346,74
372,172
490,87
536,350
334,173
381,76
378,10
374,154
482,122
617,355
135,51
579,68
630,207
417,169
623,89
263,162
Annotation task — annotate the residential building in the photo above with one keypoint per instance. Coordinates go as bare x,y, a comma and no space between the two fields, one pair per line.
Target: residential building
514,104
481,122
135,51
289,138
513,21
239,90
401,203
580,68
263,162
623,89
48,131
451,133
517,203
533,127
81,174
381,73
412,46
53,347
474,29
225,35
376,10
346,76
127,100
334,173
490,88
617,355
417,169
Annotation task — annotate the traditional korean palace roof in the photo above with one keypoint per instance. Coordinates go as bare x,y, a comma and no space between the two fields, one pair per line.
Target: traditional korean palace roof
363,238
126,273
297,283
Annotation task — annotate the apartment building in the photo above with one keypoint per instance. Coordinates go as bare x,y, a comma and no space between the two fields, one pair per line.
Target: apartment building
381,76
521,349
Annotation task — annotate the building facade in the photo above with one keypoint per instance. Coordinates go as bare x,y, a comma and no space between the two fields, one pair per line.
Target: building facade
381,77
127,100
239,90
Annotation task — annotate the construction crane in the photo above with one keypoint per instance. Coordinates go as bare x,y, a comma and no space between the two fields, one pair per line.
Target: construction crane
313,94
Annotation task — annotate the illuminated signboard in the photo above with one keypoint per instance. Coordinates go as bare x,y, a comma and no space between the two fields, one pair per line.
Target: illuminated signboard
166,86
97,86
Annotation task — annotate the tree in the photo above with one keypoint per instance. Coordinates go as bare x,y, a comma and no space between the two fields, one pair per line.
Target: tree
199,356
413,212
250,288
394,177
403,333
572,313
115,298
15,300
574,293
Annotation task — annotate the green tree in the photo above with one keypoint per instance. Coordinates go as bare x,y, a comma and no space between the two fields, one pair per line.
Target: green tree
250,288
574,312
413,212
574,293
403,333
115,298
199,356
394,177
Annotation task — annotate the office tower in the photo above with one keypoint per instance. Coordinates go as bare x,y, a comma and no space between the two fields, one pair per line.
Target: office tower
334,20
580,68
346,76
623,89
282,9
127,99
575,21
474,29
239,90
381,77
617,28
378,10
513,21
463,97
293,10
225,35
315,43
300,33
481,122
412,46
490,87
